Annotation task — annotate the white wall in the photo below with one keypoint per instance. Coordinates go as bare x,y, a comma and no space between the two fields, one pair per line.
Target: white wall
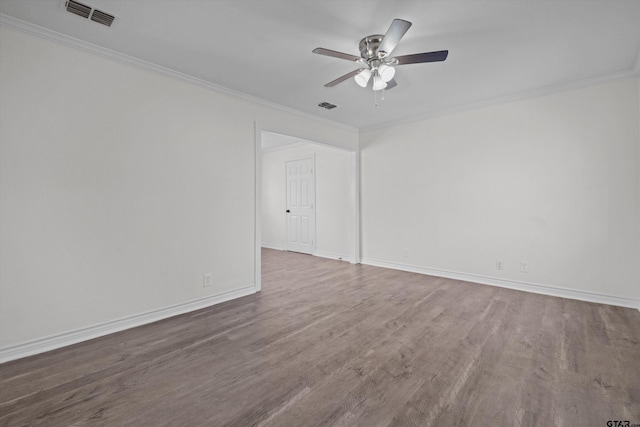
553,181
120,188
332,197
116,196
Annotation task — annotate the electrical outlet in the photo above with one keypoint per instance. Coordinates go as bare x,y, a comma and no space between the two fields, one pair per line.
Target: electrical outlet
207,280
405,252
524,267
499,265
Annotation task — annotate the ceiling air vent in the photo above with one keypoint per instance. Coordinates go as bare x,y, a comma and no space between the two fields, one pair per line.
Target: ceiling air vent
87,12
327,105
102,18
78,8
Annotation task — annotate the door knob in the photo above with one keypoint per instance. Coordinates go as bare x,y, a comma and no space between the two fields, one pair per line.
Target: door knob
288,211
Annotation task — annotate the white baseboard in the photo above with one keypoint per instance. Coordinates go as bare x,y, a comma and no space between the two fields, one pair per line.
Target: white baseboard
321,254
52,342
510,284
275,246
331,255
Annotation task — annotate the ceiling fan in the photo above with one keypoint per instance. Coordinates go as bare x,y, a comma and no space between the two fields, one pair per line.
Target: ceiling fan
375,56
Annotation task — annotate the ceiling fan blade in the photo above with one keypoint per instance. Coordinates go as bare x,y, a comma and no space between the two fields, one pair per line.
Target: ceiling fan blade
343,78
328,52
391,84
417,58
395,32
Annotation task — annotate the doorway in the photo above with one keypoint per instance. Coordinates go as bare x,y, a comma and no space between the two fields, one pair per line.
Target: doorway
335,232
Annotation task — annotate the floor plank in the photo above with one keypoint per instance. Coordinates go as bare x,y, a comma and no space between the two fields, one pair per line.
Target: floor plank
330,343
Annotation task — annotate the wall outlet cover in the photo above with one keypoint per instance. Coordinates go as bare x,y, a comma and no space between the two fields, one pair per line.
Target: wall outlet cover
207,280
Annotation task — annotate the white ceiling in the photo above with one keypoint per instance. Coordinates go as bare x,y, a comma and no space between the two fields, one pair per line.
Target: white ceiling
262,48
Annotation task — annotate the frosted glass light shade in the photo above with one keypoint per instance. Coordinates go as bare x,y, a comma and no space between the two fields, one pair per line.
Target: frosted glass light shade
362,78
386,72
378,83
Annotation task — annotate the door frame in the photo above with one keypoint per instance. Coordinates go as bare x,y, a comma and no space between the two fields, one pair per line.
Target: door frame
353,221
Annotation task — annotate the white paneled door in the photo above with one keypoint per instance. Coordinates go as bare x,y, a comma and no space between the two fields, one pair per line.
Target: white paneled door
300,210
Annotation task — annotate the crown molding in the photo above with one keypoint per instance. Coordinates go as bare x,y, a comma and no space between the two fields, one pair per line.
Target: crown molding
550,90
56,37
41,32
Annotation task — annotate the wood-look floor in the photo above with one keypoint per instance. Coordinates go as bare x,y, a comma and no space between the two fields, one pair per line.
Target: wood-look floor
329,343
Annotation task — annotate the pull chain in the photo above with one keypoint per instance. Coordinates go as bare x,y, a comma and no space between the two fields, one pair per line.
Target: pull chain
375,96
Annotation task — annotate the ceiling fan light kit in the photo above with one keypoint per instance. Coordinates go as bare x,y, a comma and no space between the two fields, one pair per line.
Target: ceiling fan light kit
378,83
362,78
386,72
375,56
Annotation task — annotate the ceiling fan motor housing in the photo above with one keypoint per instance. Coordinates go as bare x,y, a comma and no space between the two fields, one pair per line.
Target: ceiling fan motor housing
369,47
